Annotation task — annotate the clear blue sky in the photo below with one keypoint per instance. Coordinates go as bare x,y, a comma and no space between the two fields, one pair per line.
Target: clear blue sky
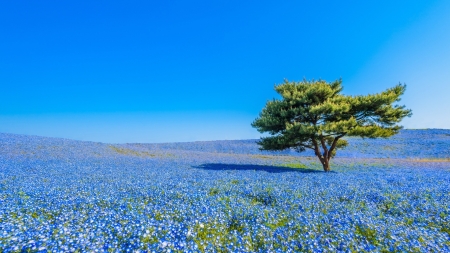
164,71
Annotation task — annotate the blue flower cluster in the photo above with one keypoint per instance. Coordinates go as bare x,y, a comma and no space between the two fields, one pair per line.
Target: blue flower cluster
224,196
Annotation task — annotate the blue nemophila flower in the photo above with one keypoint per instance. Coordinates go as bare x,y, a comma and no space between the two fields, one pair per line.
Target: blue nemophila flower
62,195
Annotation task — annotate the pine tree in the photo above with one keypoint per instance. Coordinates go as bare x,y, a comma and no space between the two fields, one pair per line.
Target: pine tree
315,115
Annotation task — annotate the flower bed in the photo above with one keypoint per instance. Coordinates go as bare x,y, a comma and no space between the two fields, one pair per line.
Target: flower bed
224,196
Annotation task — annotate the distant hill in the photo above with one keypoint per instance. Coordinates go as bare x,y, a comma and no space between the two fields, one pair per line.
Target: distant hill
427,143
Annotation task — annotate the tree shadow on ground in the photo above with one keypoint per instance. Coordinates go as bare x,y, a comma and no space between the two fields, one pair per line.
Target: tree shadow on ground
266,168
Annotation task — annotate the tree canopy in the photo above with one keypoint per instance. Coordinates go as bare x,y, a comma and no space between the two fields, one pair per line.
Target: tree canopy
315,115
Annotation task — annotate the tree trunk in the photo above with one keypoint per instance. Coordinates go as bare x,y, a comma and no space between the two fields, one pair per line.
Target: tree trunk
325,158
326,165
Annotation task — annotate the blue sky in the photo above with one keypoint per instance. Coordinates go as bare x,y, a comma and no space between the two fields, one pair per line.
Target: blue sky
165,71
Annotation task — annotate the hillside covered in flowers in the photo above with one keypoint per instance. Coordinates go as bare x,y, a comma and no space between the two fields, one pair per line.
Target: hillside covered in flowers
62,195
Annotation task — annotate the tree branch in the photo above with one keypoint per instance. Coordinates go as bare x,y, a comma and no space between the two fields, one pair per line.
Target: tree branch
317,150
306,146
324,146
326,135
333,145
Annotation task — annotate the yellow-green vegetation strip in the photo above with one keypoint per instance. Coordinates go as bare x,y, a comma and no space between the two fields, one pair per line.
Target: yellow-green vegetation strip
127,151
295,165
445,160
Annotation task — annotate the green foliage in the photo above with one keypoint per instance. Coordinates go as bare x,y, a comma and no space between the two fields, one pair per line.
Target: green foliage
213,191
265,197
315,115
126,151
368,233
234,181
149,237
295,165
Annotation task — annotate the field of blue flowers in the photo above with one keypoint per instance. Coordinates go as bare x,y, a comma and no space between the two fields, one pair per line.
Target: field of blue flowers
384,195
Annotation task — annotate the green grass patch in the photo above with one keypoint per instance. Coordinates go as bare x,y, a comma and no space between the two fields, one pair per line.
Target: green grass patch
127,151
295,165
445,160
